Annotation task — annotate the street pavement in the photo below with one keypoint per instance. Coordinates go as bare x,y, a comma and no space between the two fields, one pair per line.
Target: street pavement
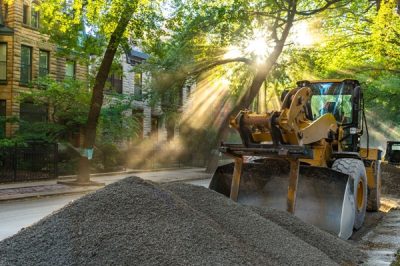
22,190
17,214
39,199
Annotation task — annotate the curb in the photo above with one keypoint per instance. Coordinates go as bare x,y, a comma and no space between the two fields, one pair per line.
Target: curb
132,171
74,190
45,194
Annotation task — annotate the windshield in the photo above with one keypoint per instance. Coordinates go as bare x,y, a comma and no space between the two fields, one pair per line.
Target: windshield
396,147
334,98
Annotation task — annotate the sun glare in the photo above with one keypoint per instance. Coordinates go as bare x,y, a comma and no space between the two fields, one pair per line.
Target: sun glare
233,52
259,46
303,35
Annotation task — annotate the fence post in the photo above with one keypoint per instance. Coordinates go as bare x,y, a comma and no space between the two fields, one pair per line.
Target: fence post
14,161
55,160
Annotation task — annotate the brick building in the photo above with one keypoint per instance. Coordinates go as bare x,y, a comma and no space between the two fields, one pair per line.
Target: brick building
25,55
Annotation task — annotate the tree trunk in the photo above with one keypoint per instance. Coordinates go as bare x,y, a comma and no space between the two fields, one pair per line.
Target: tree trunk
98,95
259,78
398,7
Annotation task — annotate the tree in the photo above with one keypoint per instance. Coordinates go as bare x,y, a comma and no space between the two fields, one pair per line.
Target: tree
204,33
98,95
96,27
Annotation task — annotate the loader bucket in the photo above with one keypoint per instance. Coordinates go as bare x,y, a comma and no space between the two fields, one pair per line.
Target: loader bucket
324,196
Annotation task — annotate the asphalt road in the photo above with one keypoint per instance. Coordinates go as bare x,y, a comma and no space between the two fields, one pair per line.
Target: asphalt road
17,214
162,176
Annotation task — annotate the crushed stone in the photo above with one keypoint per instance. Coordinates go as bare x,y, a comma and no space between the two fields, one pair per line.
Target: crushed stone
135,222
390,175
337,249
253,229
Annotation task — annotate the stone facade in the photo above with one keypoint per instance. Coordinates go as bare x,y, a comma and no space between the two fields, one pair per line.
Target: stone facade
19,30
151,117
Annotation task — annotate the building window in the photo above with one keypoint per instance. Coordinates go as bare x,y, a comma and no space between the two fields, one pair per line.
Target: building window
30,112
70,69
154,127
138,84
138,116
43,63
34,17
3,118
114,81
30,16
25,16
3,61
26,64
5,12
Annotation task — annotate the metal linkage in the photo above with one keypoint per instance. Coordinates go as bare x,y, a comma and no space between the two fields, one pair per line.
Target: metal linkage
281,151
237,173
290,152
292,188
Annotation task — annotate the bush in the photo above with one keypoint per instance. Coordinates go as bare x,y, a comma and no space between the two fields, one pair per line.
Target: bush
68,159
108,158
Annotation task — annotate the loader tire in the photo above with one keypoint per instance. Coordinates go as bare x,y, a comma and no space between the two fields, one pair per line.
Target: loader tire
356,170
374,194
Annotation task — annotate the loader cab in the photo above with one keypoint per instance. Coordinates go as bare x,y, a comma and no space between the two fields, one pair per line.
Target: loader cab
392,155
343,99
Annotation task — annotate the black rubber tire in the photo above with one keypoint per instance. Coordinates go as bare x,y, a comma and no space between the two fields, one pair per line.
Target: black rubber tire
374,194
356,170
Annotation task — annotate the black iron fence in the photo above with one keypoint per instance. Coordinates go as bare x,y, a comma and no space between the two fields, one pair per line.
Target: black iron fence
34,161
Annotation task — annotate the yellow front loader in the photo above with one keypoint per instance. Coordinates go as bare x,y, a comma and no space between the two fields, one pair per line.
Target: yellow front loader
306,158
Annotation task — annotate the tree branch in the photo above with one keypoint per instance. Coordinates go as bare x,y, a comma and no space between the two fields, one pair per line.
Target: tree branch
345,45
266,14
362,69
221,62
317,10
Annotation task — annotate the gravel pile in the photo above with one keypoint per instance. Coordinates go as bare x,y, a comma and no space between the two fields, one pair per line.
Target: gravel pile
390,179
272,232
134,222
337,249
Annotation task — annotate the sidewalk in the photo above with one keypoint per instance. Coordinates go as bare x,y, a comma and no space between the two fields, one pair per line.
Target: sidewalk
35,189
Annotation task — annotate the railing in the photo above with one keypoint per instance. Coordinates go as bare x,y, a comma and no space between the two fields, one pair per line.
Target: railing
35,161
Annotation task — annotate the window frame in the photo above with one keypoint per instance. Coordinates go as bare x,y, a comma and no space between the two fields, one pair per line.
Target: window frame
138,87
25,15
5,12
47,65
115,80
32,113
140,84
36,14
5,62
3,102
28,12
23,82
74,69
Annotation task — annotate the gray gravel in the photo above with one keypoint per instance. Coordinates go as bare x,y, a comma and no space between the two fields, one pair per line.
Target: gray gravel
337,249
390,179
134,222
252,229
